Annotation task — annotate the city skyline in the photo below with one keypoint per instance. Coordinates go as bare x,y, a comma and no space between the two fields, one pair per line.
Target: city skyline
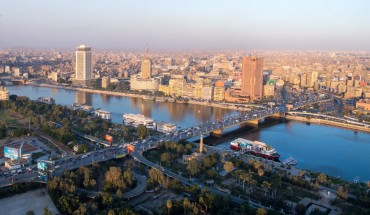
190,25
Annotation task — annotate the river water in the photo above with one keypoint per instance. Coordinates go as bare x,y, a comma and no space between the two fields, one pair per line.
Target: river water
335,151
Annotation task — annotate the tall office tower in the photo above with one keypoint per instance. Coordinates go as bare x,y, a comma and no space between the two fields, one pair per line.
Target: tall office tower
83,63
252,77
303,80
146,67
312,78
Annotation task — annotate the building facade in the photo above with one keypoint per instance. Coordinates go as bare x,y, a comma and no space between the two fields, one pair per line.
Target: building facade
83,64
252,77
105,82
4,93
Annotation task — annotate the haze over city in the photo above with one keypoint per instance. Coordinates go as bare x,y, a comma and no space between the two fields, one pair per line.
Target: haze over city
187,25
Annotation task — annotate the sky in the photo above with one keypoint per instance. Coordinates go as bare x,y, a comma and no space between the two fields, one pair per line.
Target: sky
187,24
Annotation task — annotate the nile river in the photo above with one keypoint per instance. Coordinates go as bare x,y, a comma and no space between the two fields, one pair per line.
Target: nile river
335,151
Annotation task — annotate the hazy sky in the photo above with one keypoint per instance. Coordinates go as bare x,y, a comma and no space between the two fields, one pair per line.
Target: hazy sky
187,24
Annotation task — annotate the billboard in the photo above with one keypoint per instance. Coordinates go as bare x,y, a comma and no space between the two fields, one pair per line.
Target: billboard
41,166
42,170
109,138
12,153
130,148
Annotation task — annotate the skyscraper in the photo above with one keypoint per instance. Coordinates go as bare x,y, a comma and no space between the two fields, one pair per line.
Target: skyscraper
146,67
83,63
252,77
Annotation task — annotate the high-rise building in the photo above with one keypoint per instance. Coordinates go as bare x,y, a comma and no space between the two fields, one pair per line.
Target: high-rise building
4,93
303,80
105,82
219,91
312,78
83,63
252,77
146,67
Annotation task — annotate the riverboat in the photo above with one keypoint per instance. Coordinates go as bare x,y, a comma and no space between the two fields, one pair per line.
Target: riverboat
138,119
255,148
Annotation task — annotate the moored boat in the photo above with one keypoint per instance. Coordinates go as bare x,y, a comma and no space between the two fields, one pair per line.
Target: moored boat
255,148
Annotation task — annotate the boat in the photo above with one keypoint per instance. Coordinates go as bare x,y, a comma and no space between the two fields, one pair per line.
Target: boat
166,127
255,148
103,114
46,100
138,119
160,99
290,161
150,98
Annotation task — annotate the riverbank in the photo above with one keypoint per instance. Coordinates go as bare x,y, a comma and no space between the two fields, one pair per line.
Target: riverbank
228,106
328,122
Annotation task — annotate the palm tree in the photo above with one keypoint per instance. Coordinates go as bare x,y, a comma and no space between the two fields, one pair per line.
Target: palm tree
275,183
237,174
261,172
186,204
169,205
244,177
266,186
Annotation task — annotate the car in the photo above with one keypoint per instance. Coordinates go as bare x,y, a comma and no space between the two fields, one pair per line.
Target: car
57,166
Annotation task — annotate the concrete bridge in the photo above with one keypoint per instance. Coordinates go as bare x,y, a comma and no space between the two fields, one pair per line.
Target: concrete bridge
92,138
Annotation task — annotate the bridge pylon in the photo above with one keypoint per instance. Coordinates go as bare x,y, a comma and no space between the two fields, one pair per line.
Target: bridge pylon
253,122
216,133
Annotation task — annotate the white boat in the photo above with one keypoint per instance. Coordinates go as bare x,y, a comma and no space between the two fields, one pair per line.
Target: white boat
46,100
103,114
166,127
138,119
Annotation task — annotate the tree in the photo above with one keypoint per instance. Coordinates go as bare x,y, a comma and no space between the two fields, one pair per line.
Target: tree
119,194
261,172
166,158
316,186
82,210
228,166
322,178
169,205
179,149
142,131
237,174
155,177
188,147
193,167
111,212
246,177
342,192
275,183
266,186
46,211
186,205
261,211
106,199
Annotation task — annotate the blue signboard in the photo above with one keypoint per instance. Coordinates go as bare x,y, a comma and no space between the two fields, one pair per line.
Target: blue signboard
11,153
41,166
42,170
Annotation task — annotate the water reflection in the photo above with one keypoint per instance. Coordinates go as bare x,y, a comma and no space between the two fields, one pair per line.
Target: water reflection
83,98
180,114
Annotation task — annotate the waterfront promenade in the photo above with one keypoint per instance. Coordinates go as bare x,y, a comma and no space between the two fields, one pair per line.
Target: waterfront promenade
224,106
